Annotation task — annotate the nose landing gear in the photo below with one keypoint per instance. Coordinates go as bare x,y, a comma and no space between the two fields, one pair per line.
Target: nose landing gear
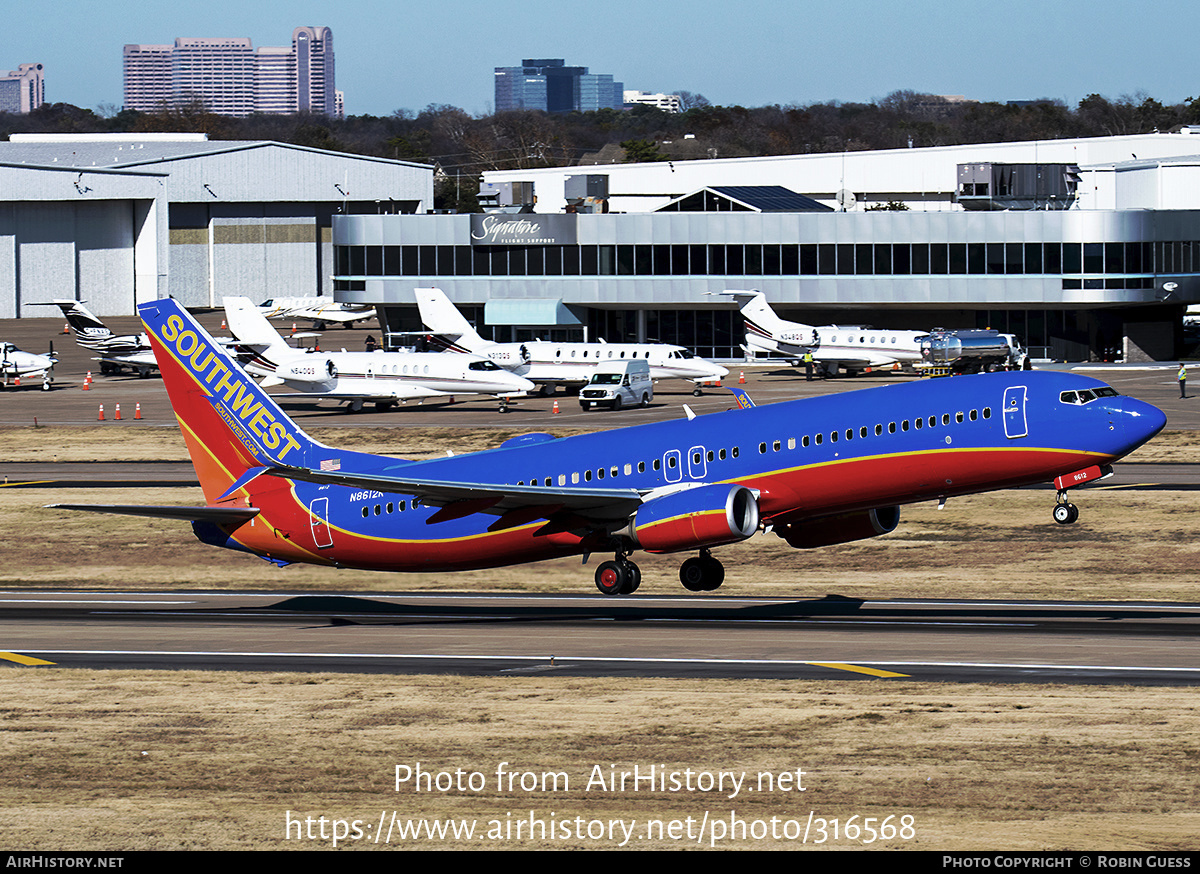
1065,513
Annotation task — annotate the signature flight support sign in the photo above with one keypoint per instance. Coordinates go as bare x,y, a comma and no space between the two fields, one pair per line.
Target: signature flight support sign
526,229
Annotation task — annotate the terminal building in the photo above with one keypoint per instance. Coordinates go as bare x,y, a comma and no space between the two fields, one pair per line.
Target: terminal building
1086,248
119,219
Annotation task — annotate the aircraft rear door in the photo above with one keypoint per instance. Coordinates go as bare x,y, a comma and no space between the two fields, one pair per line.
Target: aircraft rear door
319,516
1015,423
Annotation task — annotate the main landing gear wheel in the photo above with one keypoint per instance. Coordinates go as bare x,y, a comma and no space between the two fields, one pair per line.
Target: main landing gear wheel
618,577
1065,513
702,573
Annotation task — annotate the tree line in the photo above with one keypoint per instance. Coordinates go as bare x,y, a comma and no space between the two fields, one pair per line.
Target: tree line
461,146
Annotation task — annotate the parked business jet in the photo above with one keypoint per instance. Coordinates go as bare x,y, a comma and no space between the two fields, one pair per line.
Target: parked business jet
355,378
318,310
856,349
115,352
552,364
817,471
15,364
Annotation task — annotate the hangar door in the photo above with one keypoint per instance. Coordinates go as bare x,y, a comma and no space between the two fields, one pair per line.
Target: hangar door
68,250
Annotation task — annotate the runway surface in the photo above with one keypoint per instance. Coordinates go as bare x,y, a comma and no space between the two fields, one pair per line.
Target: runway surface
830,638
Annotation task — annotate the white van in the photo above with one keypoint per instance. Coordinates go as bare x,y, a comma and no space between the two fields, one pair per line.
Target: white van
615,384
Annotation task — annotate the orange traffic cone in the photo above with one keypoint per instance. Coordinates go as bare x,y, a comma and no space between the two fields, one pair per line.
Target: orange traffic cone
555,410
223,328
741,377
17,381
117,413
66,327
87,381
137,411
100,418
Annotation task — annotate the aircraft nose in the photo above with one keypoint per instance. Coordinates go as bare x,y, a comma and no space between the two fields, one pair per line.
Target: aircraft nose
1139,421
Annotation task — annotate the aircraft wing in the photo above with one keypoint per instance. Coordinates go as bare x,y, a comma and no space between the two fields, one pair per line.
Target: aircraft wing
861,363
525,503
130,359
397,393
332,314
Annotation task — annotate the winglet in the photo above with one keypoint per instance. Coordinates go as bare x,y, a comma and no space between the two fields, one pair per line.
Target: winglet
744,401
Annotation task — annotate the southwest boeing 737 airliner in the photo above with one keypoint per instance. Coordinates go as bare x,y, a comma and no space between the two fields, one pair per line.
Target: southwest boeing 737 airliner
815,472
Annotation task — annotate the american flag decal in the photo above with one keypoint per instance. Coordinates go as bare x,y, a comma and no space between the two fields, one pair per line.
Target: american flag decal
331,464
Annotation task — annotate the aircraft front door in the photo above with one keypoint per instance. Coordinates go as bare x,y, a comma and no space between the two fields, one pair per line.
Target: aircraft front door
1015,423
319,518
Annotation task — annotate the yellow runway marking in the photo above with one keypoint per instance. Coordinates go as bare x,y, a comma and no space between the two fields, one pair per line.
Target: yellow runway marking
21,659
858,669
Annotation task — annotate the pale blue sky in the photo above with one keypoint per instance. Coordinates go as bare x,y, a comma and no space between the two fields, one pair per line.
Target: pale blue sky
753,52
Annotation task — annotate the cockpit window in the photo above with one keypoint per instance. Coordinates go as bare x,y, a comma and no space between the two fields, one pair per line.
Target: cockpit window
1087,395
483,365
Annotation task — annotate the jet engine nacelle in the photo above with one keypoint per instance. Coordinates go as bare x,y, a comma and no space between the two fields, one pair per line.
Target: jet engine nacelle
842,528
309,369
696,518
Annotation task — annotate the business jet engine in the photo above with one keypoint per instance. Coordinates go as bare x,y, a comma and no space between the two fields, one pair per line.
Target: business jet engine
841,528
696,518
311,370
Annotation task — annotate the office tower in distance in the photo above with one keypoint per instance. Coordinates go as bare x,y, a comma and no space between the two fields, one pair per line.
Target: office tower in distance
23,89
231,77
551,86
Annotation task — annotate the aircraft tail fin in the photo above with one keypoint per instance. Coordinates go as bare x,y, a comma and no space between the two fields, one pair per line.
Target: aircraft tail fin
82,320
759,315
443,319
231,426
249,325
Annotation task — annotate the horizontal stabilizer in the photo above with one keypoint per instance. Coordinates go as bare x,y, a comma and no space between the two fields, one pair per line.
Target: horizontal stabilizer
216,515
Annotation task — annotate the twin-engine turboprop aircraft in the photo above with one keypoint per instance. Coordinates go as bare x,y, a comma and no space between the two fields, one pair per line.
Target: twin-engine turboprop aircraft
817,471
14,364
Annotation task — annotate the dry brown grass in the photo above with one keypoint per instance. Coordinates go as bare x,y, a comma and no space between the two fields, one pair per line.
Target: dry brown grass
190,760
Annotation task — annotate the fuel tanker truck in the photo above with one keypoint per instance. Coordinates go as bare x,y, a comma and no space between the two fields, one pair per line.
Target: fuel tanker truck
976,351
